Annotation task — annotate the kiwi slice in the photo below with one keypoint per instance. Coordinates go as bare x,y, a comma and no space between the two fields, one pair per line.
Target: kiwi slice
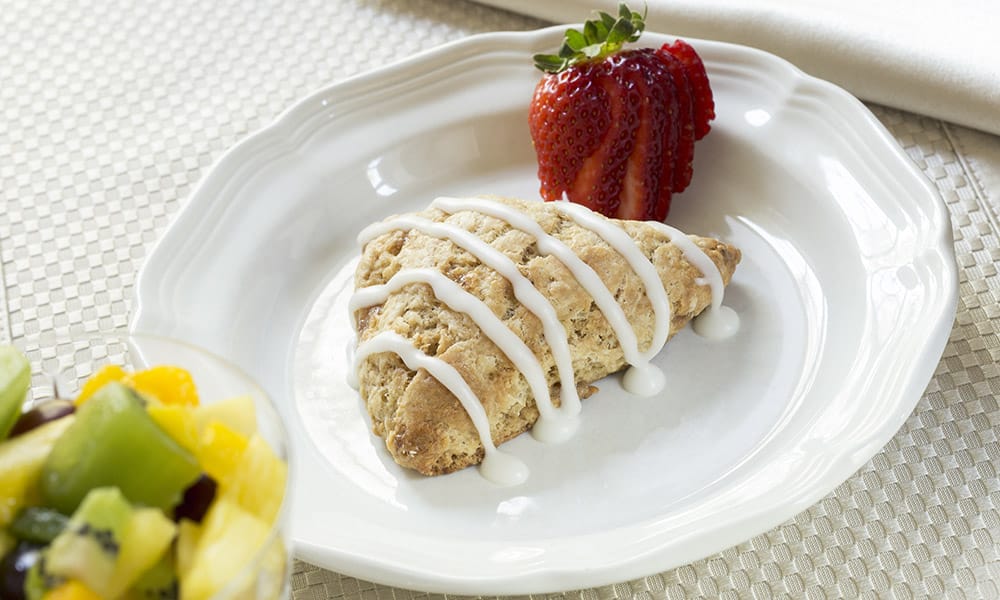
115,443
158,583
15,379
108,544
88,547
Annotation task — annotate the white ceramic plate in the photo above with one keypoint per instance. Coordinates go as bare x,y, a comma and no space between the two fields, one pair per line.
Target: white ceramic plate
847,293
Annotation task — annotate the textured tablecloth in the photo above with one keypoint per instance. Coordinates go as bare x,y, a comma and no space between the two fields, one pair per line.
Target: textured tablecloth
112,112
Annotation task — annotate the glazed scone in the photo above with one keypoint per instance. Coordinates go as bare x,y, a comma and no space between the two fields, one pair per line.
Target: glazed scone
424,425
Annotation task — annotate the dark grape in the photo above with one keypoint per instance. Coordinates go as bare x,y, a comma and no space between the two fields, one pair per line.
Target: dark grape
197,498
14,568
41,414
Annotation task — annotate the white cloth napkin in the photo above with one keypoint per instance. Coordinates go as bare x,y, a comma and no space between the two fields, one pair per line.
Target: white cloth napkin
940,59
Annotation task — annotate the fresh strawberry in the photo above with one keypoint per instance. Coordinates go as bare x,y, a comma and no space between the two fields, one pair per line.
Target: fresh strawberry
701,92
647,187
682,167
614,129
601,176
569,118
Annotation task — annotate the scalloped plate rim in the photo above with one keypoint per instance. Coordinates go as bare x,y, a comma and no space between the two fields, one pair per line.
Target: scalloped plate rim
287,131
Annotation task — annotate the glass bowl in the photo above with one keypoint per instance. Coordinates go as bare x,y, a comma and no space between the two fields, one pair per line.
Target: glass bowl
61,365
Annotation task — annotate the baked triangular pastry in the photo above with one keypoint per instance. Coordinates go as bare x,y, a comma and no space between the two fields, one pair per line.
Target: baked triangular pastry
464,292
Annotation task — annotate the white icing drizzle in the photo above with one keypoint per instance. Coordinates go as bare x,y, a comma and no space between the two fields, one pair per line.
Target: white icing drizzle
641,378
623,244
710,273
459,300
497,466
717,321
524,291
584,274
553,424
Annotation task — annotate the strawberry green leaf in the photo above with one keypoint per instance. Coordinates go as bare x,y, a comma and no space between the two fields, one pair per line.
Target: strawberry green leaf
576,40
620,33
601,30
601,37
607,20
550,63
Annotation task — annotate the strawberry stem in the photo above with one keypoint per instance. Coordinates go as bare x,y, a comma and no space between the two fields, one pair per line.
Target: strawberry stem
600,37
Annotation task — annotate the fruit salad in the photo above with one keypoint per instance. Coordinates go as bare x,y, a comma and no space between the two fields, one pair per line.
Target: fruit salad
135,489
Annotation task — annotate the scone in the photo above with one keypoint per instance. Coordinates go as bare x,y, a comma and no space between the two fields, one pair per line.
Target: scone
481,315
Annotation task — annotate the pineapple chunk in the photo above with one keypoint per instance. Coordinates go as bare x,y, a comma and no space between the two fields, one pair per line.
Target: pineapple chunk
238,413
179,423
188,535
231,538
21,461
220,451
147,539
258,482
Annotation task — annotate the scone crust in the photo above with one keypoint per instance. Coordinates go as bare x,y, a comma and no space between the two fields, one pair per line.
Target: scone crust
424,426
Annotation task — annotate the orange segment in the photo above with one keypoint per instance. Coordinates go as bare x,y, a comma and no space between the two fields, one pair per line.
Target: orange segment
169,385
105,375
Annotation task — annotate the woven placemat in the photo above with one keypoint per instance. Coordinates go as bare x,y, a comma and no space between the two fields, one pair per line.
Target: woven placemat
111,113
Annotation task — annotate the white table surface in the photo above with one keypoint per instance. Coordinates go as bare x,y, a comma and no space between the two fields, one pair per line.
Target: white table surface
112,112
